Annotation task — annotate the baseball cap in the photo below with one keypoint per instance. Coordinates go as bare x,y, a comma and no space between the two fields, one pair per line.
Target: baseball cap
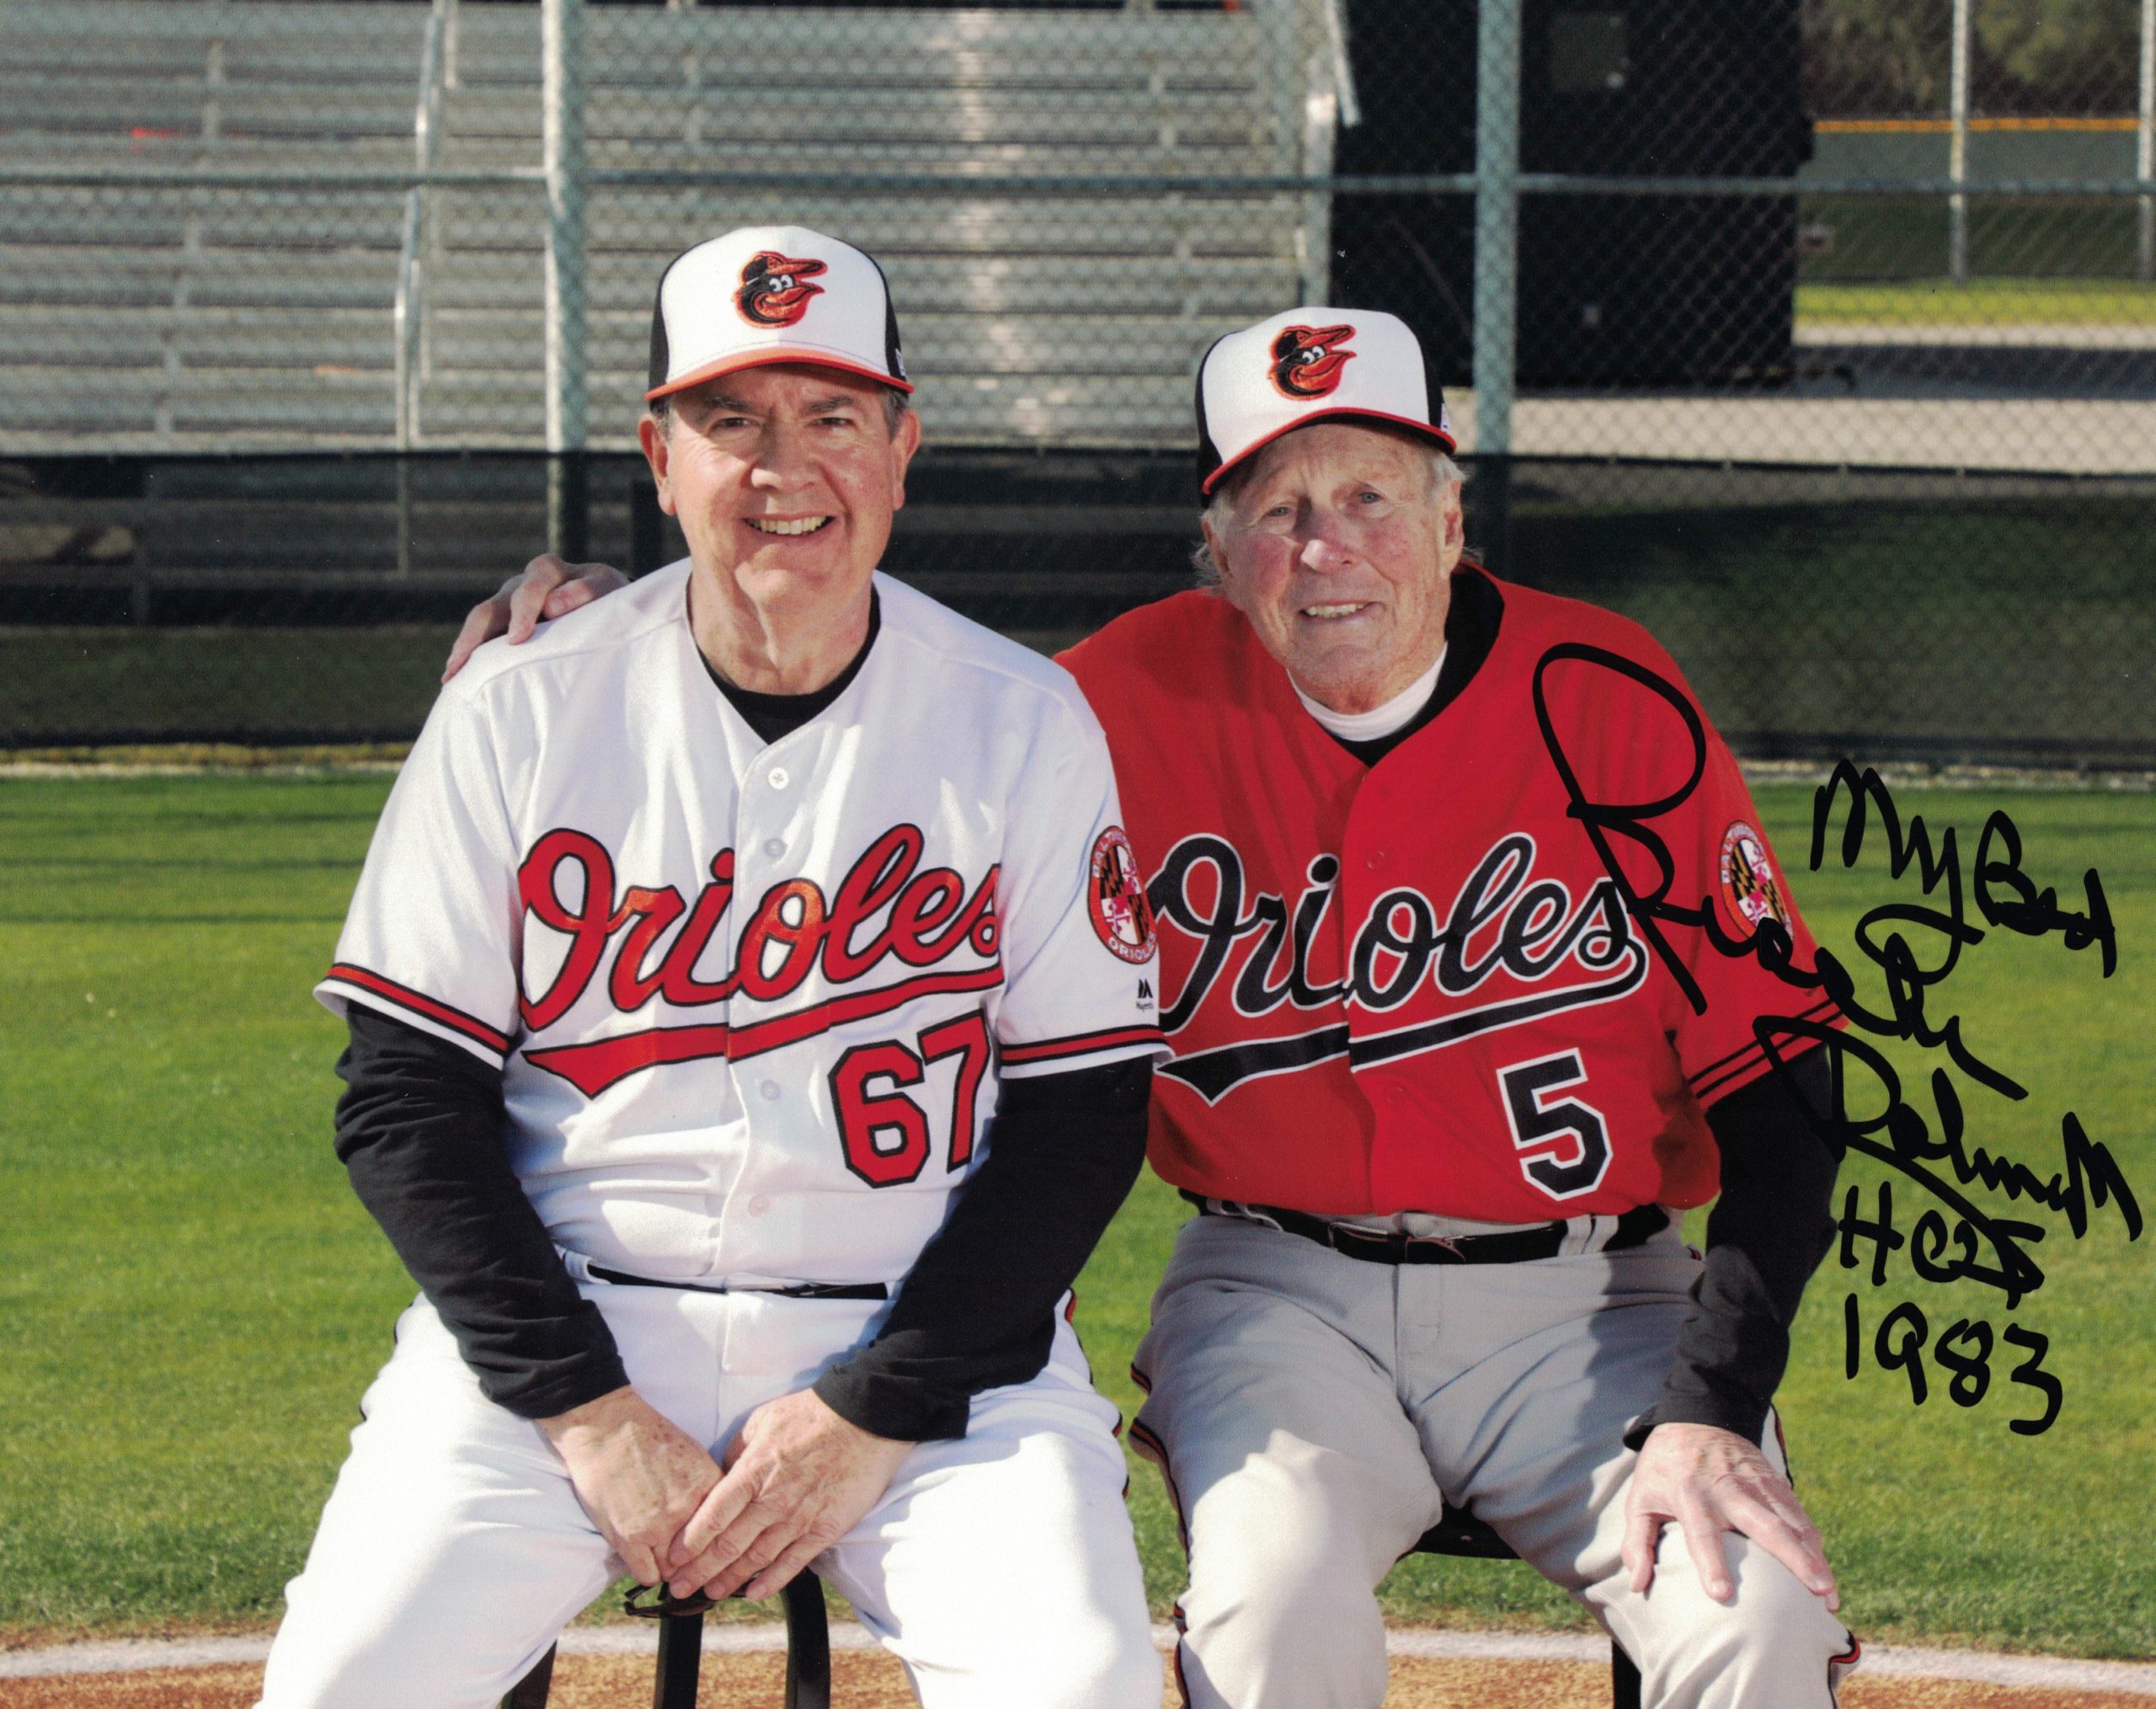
1312,365
772,294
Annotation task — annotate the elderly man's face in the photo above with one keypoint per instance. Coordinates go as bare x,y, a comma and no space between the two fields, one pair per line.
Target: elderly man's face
1338,546
785,479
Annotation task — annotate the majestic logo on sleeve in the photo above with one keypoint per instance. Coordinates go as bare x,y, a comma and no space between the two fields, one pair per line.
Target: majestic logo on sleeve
1116,896
1749,888
1554,950
917,927
1307,360
775,289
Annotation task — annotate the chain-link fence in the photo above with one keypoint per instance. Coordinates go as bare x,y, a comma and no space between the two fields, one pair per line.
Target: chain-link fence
1819,332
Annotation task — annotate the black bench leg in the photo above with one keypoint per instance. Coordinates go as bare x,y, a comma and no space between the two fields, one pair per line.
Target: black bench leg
1623,1678
680,1654
808,1644
529,1692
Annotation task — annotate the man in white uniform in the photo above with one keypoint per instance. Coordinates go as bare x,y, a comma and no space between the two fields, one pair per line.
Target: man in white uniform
751,1038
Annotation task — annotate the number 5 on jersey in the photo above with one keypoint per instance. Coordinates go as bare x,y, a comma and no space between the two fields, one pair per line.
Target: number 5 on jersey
886,1133
1563,1144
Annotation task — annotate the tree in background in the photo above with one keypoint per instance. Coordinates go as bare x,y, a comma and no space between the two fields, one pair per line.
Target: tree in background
2057,55
1880,57
1876,56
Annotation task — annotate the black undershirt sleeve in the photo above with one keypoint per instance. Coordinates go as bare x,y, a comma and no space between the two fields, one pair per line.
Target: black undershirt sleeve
419,1130
977,1311
1765,1235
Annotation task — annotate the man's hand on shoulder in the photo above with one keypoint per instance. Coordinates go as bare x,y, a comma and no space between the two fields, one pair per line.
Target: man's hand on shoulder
639,1476
799,1477
550,587
1707,1481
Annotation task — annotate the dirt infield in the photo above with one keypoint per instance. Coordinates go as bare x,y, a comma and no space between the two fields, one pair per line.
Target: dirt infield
872,1680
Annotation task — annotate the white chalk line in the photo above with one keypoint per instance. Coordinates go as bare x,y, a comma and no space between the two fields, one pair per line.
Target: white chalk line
2051,1673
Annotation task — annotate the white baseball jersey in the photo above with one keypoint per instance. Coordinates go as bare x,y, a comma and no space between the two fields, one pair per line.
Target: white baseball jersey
751,1002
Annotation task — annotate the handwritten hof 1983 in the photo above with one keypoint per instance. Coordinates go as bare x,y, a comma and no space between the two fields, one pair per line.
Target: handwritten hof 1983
1966,1212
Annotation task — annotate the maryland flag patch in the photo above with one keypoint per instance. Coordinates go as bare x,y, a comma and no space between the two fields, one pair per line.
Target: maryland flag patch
1115,896
1749,889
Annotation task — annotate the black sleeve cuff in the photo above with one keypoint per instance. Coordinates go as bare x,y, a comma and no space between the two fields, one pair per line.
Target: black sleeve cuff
1740,1414
901,1408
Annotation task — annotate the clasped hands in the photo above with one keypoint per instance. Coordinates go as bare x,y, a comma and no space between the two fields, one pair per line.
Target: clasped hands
795,1479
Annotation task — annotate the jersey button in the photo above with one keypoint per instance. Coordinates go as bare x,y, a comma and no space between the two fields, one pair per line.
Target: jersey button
1376,859
759,1205
774,848
770,1089
779,777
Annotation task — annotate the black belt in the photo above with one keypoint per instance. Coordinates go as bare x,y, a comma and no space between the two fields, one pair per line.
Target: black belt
1634,1227
800,1290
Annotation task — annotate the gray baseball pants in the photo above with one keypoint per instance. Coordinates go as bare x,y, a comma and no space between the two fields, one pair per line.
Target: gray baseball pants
1312,1412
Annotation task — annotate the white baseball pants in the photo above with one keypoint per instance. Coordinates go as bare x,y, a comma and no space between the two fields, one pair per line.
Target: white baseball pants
1000,1568
1307,1409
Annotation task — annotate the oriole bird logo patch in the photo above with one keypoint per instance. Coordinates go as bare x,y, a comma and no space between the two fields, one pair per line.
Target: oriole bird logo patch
774,290
1307,360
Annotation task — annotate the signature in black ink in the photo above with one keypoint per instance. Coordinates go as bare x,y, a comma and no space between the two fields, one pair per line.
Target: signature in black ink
1990,1250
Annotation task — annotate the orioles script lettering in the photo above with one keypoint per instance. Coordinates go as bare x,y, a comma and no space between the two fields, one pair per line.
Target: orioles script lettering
1503,918
889,913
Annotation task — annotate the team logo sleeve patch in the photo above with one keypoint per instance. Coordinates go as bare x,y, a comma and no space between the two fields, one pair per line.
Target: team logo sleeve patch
1122,919
1749,889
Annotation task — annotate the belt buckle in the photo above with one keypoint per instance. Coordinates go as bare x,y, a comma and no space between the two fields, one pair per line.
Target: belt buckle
1448,1244
1391,1246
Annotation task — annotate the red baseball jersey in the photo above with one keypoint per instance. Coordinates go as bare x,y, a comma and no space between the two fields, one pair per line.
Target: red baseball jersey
1417,985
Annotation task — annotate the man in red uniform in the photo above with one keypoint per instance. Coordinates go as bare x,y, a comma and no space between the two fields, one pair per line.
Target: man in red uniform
1477,970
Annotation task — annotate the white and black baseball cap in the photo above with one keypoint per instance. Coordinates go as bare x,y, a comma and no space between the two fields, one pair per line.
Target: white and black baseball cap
772,294
1312,365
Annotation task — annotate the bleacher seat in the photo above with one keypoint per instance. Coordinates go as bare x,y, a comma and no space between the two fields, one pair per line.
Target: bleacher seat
136,315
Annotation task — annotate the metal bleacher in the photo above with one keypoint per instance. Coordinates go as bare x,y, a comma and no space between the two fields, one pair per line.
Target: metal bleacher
139,313
323,303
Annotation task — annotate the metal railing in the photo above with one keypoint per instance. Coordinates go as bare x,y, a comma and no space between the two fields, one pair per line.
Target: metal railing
408,313
2144,154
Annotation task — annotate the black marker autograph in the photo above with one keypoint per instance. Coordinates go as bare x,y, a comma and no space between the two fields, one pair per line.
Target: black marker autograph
1934,1153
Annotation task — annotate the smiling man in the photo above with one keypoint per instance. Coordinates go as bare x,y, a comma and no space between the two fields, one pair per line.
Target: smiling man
1442,1076
750,1030
1439,1086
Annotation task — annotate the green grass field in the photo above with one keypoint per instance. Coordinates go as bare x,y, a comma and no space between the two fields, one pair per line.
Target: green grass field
192,1300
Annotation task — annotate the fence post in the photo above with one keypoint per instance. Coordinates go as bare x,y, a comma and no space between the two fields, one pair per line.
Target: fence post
1957,156
1496,262
2144,154
562,89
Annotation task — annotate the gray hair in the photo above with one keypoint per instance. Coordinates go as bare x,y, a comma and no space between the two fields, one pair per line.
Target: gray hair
895,405
1443,471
